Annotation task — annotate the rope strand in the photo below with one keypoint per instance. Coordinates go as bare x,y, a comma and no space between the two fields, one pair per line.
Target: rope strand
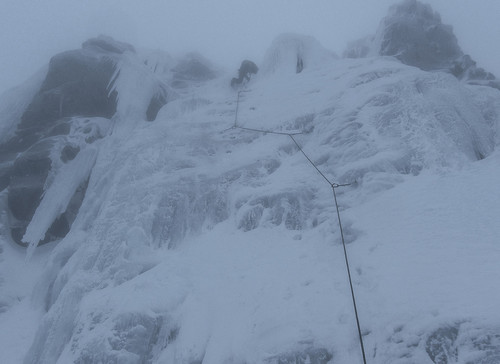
333,186
310,161
349,275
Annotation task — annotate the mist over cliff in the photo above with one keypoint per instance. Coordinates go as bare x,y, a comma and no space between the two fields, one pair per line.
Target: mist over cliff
152,210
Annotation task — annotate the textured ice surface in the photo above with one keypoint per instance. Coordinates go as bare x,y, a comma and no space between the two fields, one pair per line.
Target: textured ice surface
196,243
57,197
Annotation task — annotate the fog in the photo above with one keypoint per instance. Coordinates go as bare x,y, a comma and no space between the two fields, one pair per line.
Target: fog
225,31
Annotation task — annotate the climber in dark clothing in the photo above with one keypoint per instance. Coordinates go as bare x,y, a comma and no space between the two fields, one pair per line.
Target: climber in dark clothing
247,68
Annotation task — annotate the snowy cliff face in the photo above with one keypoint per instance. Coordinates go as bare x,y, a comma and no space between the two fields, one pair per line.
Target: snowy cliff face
194,241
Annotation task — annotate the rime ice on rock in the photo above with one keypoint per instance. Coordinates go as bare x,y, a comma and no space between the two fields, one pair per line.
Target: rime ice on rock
413,33
292,53
46,129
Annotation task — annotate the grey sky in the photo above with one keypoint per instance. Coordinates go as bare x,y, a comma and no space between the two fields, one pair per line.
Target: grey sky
225,31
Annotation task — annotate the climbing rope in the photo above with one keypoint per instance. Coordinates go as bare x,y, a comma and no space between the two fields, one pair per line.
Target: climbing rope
333,186
349,274
268,132
310,161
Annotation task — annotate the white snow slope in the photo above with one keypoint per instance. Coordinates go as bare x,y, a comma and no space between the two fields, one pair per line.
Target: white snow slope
198,244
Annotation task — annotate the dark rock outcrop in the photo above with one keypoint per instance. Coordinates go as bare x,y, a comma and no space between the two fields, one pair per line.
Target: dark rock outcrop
414,34
465,68
26,186
157,102
446,344
77,84
440,345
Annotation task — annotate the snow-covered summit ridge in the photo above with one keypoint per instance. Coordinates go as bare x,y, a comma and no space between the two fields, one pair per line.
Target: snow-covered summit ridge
414,33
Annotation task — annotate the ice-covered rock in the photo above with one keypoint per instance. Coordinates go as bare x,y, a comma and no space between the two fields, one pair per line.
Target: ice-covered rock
308,356
140,91
13,104
464,68
35,172
292,53
76,85
413,33
52,121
